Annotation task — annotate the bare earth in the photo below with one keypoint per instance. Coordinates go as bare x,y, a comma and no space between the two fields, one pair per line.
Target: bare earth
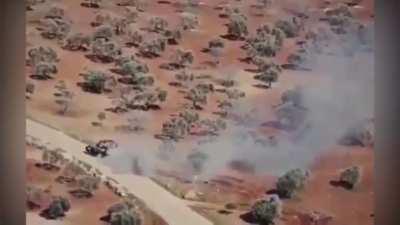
170,208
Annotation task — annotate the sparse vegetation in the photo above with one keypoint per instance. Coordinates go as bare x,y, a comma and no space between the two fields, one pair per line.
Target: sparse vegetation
92,3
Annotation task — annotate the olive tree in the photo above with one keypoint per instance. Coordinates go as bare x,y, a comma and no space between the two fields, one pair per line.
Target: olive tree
267,211
29,90
174,129
266,42
293,96
229,11
291,182
42,54
124,213
55,12
173,36
196,96
105,51
158,24
234,94
291,27
86,186
152,48
105,32
57,208
55,28
185,77
132,67
197,160
237,27
63,98
150,99
351,176
101,19
95,81
189,21
216,43
34,196
51,158
77,41
269,73
72,170
182,58
135,38
44,70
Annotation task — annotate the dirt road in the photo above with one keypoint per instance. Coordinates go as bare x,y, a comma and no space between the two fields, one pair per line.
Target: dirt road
172,209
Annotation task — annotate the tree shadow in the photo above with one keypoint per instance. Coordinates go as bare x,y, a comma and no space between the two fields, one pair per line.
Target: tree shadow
90,5
342,184
80,194
261,86
290,66
245,60
248,218
205,50
165,2
252,70
46,214
130,45
47,166
171,66
78,49
277,125
99,59
224,212
231,37
116,110
147,55
88,88
39,77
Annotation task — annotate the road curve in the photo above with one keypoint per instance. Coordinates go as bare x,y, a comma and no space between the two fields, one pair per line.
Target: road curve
172,209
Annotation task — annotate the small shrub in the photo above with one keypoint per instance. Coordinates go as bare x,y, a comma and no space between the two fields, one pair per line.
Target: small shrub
267,211
291,182
351,176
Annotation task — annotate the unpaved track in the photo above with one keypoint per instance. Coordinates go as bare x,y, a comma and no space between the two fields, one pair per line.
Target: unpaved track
172,209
